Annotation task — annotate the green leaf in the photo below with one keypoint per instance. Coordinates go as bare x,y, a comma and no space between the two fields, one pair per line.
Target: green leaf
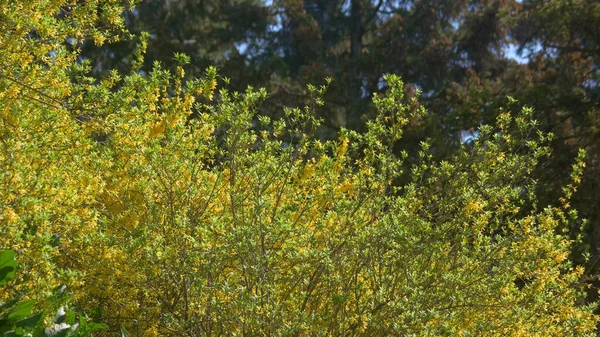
29,322
71,315
21,310
124,332
8,266
86,329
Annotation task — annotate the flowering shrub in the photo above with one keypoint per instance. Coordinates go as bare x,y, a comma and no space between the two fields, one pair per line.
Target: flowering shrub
171,207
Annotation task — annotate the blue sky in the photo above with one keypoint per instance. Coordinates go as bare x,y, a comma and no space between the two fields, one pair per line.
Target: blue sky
511,53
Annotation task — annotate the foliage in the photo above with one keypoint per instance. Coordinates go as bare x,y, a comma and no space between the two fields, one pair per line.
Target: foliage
46,193
456,52
171,207
16,318
210,32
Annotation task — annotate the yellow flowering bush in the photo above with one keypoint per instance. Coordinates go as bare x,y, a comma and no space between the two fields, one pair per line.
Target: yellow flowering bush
47,192
170,207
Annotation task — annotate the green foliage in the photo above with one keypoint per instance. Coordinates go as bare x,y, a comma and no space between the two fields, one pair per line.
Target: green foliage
8,266
17,318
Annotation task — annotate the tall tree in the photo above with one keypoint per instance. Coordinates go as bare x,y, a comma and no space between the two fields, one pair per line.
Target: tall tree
210,32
